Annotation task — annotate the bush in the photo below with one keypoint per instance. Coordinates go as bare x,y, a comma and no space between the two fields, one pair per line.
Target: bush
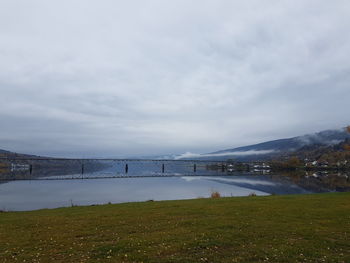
215,194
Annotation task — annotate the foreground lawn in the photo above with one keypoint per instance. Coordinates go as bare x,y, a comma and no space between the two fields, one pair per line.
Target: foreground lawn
293,228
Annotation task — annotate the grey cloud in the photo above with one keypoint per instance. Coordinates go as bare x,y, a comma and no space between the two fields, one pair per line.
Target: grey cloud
112,78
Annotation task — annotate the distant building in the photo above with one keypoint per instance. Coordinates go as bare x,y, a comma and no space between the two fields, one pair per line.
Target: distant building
19,167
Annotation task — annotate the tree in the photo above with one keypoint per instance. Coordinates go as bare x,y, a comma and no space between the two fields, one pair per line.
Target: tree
294,162
346,144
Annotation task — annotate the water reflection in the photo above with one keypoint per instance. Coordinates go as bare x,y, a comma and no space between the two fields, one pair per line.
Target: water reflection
320,181
29,195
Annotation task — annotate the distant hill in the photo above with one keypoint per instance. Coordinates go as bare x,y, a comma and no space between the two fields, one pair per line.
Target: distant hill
8,154
275,148
328,137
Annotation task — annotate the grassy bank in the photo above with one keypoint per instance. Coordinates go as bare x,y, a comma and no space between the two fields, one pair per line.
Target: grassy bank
293,228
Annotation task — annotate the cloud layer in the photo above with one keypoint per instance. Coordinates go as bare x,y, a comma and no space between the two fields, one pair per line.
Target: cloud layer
189,155
81,78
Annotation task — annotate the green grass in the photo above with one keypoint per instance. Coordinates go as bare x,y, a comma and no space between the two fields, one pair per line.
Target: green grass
290,228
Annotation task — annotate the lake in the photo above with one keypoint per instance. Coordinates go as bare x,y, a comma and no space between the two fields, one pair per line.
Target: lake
178,181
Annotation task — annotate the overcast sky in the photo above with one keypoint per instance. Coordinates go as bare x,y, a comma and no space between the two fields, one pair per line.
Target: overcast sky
126,78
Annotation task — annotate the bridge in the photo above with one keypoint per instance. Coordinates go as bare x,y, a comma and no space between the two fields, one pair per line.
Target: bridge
77,169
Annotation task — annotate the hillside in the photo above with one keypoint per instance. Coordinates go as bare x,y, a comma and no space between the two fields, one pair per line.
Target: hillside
276,148
328,137
10,155
4,152
316,157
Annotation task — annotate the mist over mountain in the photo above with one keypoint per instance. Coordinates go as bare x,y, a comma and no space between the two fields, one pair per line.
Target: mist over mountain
271,149
261,151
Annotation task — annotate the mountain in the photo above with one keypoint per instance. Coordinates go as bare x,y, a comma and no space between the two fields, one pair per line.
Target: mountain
8,154
272,149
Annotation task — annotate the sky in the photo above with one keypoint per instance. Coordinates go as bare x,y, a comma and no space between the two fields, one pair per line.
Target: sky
116,78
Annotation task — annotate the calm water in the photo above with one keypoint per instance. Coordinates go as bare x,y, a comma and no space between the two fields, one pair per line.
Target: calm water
38,194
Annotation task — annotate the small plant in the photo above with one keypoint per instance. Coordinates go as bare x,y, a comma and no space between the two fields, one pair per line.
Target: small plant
252,194
215,194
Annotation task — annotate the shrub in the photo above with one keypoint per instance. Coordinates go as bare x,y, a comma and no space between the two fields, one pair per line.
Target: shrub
215,194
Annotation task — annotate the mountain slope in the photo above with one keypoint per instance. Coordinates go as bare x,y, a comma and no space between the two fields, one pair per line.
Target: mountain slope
8,154
328,137
270,149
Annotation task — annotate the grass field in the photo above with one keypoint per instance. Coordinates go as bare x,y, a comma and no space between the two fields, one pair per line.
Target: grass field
290,228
